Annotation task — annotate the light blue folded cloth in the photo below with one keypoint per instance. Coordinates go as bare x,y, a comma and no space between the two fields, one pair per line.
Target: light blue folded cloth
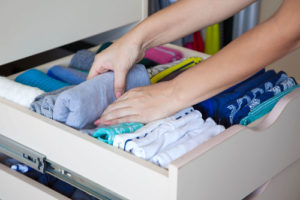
67,75
108,134
265,107
39,79
84,103
83,60
44,103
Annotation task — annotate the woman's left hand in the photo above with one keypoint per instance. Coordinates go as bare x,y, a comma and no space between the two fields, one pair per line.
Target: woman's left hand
143,104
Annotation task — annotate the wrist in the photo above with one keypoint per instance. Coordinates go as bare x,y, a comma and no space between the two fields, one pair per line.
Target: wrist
176,99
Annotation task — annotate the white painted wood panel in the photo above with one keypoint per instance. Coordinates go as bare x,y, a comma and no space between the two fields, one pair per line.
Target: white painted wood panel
33,26
14,185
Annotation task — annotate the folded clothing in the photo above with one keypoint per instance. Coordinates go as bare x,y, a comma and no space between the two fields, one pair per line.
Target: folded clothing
265,107
83,60
188,142
67,75
159,68
228,110
164,135
146,62
84,103
165,140
172,75
209,107
18,93
163,55
107,134
44,103
235,110
39,79
182,65
121,141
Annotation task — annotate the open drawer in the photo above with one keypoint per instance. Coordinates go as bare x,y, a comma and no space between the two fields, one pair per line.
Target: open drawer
229,166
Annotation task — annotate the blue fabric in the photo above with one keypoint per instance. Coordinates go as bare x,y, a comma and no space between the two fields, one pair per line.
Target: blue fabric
107,134
47,180
265,107
237,109
31,173
63,188
80,195
277,89
67,75
84,103
39,79
83,60
210,107
44,103
231,89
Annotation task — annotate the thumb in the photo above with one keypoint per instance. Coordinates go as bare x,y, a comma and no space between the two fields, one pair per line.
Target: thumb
119,82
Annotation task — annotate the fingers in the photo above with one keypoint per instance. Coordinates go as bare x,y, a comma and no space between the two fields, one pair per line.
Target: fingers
93,71
120,115
132,118
119,82
116,105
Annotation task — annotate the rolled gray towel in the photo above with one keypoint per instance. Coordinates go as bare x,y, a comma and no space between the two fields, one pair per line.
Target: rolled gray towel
44,103
83,60
84,103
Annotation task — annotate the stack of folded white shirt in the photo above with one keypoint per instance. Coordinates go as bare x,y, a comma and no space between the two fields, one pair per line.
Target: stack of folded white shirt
165,140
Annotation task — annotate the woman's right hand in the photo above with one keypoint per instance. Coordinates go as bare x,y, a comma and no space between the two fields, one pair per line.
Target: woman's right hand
119,57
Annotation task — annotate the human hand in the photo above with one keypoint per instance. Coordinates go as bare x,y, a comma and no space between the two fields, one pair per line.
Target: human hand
143,104
119,57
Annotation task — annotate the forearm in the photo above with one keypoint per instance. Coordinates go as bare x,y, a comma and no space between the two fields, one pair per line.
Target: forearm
182,18
239,60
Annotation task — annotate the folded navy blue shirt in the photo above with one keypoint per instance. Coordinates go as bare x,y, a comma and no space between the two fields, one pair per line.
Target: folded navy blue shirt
233,104
279,87
209,107
227,110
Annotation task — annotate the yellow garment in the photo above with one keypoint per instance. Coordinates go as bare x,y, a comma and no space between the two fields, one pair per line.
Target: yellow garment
187,63
212,39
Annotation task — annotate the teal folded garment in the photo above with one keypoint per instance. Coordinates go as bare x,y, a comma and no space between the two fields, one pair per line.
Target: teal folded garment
108,134
265,107
39,79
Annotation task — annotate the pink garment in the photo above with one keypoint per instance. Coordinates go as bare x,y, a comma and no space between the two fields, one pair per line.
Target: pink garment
189,45
163,55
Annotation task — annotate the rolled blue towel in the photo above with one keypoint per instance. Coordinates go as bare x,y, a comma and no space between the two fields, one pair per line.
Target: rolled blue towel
83,60
67,75
39,79
107,134
84,103
44,103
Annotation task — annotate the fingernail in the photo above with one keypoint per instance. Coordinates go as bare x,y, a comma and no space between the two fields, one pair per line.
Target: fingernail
97,122
118,94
